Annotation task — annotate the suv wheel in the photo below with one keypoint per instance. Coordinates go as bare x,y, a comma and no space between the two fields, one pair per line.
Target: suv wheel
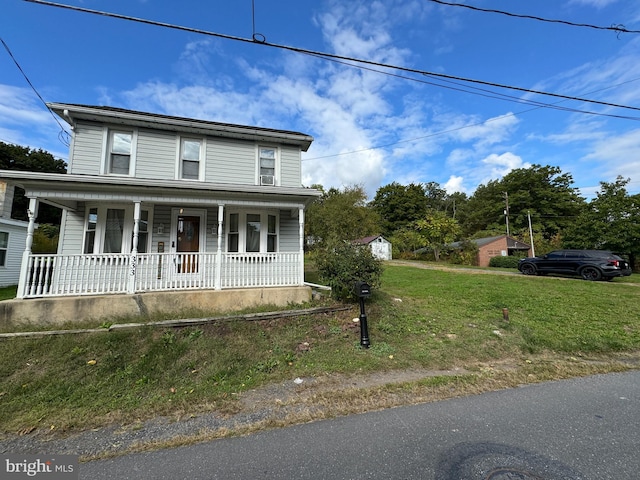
591,273
528,269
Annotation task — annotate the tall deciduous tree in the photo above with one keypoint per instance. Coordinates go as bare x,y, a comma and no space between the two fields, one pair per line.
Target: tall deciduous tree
399,205
15,157
437,230
611,221
341,215
546,192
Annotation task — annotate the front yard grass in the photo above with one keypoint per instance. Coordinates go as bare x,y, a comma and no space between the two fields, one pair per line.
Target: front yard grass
419,320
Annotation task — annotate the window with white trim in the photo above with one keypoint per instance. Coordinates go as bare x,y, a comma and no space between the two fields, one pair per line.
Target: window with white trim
121,148
267,165
191,159
110,230
250,232
4,244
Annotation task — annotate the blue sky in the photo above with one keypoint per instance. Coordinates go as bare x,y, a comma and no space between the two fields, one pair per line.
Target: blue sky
369,128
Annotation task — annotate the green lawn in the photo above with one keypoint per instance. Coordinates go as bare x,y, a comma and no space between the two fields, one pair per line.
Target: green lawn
418,319
7,293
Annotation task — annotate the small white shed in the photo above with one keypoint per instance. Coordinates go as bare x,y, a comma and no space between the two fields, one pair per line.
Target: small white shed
380,246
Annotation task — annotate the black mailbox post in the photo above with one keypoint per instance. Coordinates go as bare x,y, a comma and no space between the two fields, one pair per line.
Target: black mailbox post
363,290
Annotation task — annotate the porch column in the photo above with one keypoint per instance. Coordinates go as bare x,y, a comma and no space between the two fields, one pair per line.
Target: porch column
133,258
218,284
301,225
32,213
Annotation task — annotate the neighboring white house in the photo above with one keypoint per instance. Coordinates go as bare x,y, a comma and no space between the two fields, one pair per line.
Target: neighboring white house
155,203
380,246
13,235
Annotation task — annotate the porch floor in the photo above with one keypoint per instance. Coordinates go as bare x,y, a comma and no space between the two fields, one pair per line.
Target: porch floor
58,311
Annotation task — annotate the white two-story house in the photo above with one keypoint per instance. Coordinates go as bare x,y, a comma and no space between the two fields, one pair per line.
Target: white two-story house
160,203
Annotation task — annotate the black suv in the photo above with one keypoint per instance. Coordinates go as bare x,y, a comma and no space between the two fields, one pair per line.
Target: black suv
589,264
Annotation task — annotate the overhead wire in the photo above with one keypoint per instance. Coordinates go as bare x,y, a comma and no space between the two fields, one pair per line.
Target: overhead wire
327,55
63,135
618,28
495,95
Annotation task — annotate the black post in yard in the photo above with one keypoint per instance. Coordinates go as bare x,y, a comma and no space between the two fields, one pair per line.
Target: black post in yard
363,290
364,328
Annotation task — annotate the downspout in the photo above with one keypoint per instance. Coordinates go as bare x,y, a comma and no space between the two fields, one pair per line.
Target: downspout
301,225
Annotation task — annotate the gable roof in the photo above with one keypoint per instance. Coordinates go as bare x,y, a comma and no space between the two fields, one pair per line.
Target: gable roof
481,242
368,240
70,112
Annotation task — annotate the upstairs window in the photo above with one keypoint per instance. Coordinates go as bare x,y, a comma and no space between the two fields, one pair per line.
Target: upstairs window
191,151
4,244
267,165
121,150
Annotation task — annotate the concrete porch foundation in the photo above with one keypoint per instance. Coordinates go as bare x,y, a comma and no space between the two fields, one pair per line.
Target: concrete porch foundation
57,311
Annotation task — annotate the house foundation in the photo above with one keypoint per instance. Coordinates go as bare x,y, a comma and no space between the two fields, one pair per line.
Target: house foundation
59,311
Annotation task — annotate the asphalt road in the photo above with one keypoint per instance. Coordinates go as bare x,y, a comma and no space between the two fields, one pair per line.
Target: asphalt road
585,428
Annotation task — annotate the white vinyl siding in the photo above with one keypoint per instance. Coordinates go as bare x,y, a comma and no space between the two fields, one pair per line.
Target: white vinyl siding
86,153
289,232
72,231
226,161
161,216
15,237
156,154
290,167
230,162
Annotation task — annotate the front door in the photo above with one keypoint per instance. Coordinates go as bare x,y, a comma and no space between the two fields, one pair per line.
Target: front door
188,243
188,227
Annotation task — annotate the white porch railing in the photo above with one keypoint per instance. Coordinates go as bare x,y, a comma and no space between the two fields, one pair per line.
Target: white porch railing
60,275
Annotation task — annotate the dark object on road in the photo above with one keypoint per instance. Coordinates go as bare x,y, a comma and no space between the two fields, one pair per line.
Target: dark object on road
589,264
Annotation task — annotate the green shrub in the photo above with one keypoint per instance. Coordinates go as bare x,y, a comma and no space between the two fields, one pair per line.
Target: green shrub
45,239
467,254
504,262
342,264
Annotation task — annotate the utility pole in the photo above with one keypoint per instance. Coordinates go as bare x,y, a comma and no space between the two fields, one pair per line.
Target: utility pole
506,210
533,250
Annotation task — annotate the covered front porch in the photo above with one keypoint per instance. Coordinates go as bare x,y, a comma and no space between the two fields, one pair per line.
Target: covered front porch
58,275
133,237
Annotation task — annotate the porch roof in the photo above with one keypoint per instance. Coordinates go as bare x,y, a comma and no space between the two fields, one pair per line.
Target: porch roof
65,190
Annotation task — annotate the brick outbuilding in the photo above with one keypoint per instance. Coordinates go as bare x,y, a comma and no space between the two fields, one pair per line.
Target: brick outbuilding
499,246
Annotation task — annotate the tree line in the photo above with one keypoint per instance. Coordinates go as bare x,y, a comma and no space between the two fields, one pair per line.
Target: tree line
424,217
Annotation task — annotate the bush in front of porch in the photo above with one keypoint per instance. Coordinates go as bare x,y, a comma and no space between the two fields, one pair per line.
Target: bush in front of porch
342,264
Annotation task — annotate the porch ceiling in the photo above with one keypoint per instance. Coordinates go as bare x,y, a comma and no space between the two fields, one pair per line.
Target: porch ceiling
65,190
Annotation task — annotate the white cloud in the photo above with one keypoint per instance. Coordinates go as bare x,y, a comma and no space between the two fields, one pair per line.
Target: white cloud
619,154
500,165
454,184
593,3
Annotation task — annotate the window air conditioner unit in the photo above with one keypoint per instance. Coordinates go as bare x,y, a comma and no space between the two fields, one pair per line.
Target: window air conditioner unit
267,180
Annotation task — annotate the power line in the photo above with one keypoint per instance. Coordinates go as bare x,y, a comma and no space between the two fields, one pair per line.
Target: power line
327,55
619,28
492,95
63,132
